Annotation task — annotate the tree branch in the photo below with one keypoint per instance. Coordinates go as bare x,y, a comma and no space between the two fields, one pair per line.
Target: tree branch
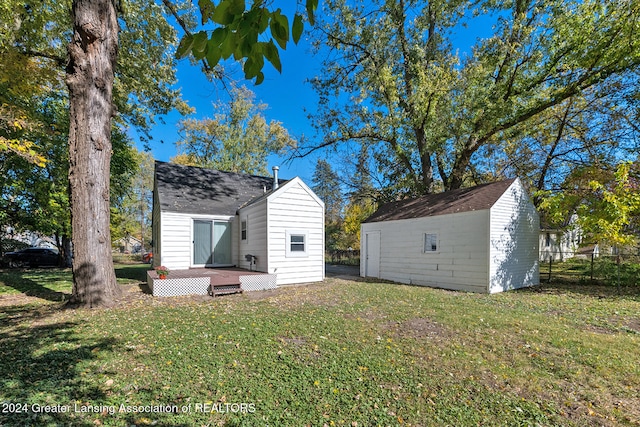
172,8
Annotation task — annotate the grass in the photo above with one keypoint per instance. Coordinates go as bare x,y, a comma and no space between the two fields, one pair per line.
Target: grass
339,353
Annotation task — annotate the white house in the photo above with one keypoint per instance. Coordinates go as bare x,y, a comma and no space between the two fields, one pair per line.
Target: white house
481,239
210,218
560,243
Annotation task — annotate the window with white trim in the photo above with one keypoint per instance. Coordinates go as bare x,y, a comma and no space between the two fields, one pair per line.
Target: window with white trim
430,242
297,242
243,229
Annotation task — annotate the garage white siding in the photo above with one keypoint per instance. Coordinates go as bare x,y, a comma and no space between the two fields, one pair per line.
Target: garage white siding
480,239
459,262
295,210
514,241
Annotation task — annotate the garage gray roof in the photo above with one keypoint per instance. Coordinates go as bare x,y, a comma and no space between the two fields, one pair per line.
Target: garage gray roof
194,190
454,201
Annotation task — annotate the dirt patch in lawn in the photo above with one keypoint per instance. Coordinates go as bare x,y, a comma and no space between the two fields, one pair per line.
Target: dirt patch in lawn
261,295
616,324
419,328
634,325
369,315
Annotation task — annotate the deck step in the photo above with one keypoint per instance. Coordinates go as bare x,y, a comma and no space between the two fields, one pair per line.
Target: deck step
225,289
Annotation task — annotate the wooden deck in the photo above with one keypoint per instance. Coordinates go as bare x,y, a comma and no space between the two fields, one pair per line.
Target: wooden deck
219,281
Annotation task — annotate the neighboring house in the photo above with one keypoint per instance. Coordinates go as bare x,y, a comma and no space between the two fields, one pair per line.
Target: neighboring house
209,218
560,243
480,239
128,244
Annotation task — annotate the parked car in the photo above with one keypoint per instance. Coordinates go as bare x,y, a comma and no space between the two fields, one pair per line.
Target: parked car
32,257
148,258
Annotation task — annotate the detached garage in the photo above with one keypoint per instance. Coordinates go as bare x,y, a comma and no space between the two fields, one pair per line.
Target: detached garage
480,239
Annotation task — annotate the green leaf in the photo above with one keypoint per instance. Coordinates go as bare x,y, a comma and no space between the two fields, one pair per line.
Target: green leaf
213,53
206,9
218,36
228,46
199,47
272,55
247,30
259,78
251,68
185,46
222,15
312,5
280,28
263,21
236,7
296,30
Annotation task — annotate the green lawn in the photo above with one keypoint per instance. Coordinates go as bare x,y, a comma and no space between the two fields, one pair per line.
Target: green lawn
338,353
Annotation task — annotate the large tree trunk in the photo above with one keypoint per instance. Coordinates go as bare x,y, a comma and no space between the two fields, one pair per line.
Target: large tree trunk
90,73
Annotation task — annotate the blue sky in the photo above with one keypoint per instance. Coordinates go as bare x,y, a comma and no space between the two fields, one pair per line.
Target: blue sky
287,96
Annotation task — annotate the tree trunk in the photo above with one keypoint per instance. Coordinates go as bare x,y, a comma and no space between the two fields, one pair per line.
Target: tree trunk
90,73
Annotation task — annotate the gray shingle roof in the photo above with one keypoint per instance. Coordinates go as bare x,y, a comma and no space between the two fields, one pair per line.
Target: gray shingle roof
454,201
194,190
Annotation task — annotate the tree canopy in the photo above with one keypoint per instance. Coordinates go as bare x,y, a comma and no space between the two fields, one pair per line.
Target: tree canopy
237,138
438,115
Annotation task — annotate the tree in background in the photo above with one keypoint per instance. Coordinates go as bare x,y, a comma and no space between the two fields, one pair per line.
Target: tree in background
591,129
326,184
363,199
131,210
606,201
394,81
237,139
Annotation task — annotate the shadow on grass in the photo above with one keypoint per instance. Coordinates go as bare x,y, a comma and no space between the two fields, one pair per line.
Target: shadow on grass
54,284
40,366
18,280
48,364
136,272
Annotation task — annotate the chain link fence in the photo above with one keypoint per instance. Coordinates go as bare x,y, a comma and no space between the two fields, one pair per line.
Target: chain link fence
343,257
616,270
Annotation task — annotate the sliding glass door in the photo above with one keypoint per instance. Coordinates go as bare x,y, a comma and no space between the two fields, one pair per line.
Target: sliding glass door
202,238
211,243
222,243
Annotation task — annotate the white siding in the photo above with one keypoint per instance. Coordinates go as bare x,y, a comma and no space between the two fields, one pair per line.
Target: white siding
256,243
156,228
562,244
175,252
176,229
514,234
294,207
460,261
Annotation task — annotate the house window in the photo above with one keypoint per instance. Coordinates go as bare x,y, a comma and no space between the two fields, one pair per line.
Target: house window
547,240
243,229
297,243
430,242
